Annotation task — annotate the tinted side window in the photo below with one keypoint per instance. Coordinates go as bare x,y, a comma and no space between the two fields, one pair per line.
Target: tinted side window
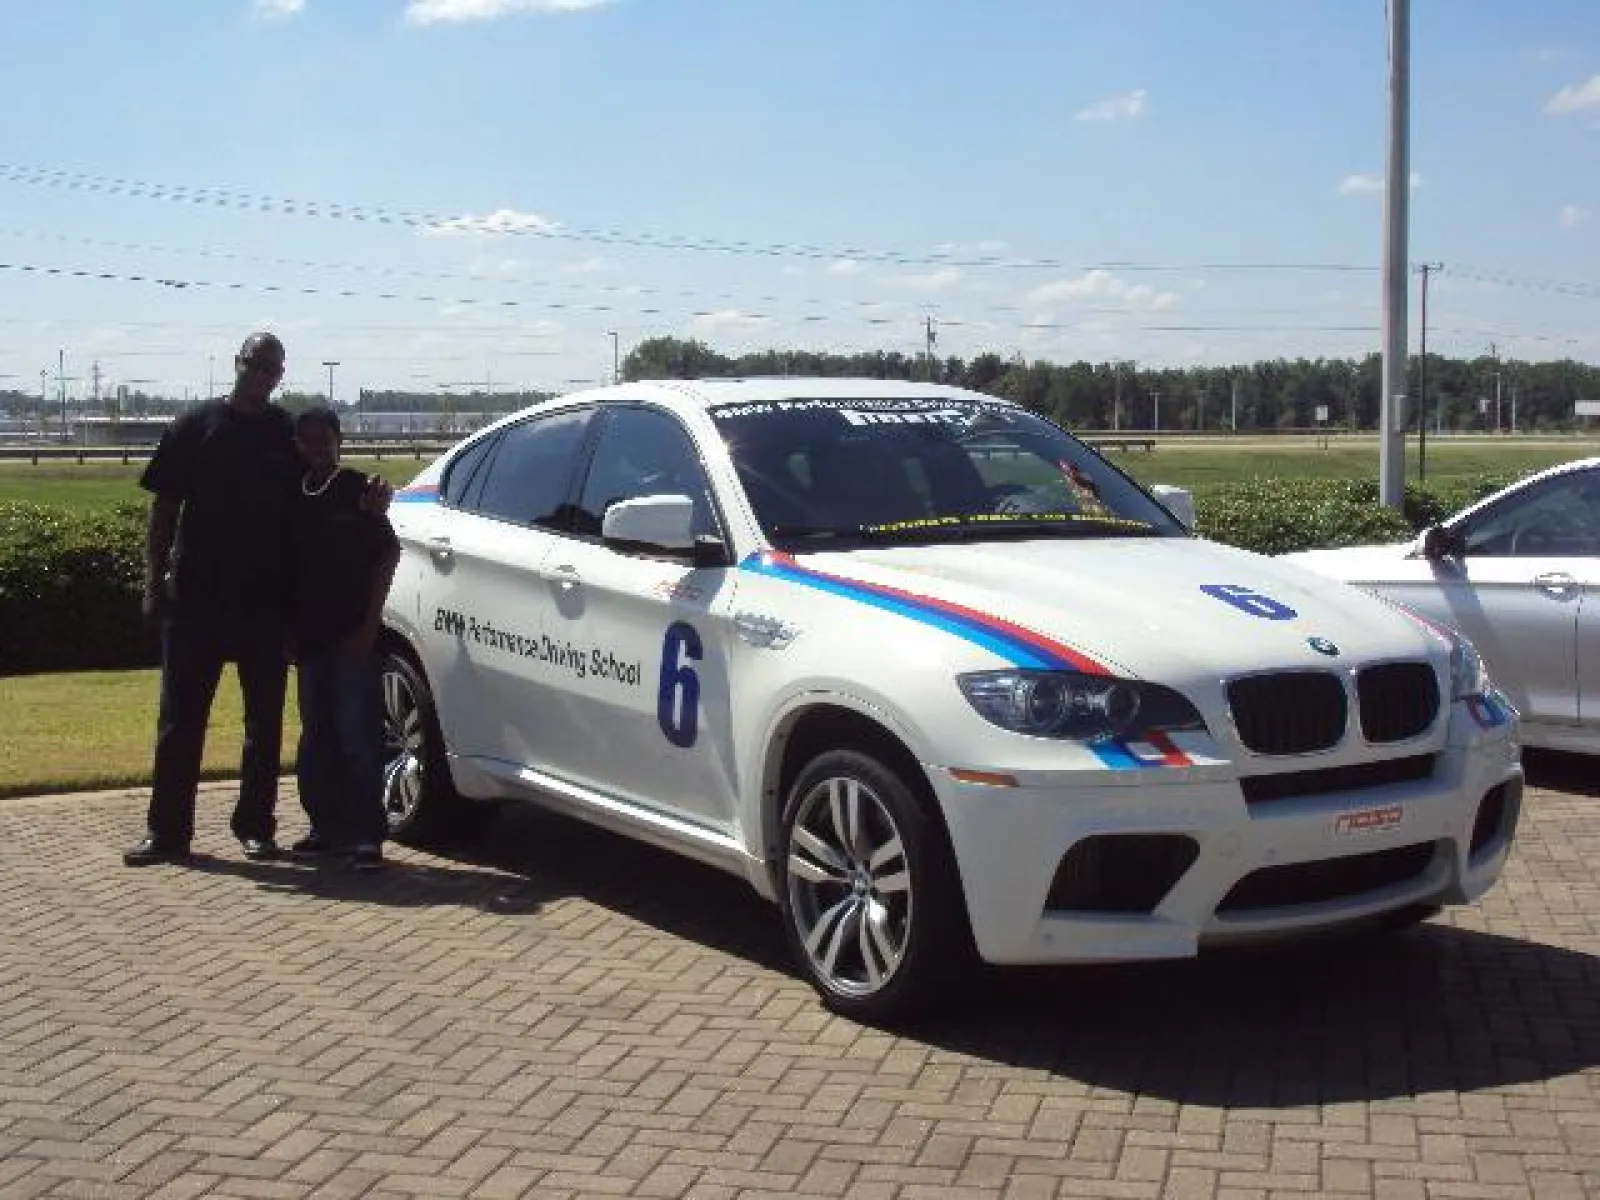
643,452
464,471
1560,518
528,477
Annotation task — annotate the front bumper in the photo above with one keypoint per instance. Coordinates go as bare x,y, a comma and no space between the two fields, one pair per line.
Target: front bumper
1083,868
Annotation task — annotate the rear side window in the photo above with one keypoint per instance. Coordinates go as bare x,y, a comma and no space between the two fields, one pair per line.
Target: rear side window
466,470
528,477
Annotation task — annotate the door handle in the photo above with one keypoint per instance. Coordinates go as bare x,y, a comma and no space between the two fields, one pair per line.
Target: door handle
1557,584
566,576
440,549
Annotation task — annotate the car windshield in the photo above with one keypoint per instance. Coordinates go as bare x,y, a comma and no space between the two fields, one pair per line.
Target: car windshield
935,469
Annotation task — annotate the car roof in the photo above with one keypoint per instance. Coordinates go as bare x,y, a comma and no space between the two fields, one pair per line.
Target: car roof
709,393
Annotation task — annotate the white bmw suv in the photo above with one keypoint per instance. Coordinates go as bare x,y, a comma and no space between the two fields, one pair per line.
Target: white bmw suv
933,676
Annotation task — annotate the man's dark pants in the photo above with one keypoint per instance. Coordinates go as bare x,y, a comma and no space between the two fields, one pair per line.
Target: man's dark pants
194,648
341,747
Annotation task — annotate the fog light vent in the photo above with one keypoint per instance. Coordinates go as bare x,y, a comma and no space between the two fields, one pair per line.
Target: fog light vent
1121,872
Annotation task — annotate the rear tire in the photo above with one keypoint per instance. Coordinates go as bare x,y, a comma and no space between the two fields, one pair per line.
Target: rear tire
418,798
872,905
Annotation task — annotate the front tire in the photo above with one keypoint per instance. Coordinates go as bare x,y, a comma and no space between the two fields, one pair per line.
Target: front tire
418,798
871,902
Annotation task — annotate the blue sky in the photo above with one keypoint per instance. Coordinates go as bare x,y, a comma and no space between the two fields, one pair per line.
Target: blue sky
436,192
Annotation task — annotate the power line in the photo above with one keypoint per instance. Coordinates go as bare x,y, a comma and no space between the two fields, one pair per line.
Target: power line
182,284
261,202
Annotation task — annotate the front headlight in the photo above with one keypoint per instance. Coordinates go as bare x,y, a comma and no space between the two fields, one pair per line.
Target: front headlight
1086,708
1468,675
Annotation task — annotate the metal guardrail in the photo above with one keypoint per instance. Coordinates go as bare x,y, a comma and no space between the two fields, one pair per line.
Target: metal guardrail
133,454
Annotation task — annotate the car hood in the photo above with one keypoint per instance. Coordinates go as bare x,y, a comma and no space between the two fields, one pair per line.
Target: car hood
1141,608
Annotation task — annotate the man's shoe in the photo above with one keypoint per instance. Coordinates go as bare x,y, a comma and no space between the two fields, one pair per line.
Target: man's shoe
152,851
313,845
259,849
366,858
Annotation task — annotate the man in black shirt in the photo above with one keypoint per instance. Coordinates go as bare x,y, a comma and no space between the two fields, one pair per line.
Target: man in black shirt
217,580
342,560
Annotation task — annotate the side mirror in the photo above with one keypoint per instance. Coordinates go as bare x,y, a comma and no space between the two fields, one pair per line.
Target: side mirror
1179,501
662,525
651,523
1439,542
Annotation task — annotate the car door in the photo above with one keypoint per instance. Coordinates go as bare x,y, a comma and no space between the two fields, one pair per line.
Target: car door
643,716
483,618
1519,589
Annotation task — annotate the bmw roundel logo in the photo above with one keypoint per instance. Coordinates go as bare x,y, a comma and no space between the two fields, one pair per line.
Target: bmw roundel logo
1323,646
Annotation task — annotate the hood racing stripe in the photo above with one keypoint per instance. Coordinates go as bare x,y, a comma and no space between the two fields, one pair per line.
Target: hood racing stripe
1020,646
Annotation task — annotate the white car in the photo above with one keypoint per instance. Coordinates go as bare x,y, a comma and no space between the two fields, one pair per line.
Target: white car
930,674
1518,573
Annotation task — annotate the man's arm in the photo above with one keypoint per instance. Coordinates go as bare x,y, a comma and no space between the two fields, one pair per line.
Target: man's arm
365,639
159,534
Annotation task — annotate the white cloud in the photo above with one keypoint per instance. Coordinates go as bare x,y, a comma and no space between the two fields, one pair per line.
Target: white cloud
1574,97
931,281
588,266
986,246
1572,216
502,220
1370,185
1101,284
846,266
277,9
439,12
711,323
1115,108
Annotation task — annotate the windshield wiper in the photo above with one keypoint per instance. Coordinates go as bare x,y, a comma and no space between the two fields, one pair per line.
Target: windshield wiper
820,533
978,531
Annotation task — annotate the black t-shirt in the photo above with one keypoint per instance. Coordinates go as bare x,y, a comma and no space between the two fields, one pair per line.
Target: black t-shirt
234,471
335,552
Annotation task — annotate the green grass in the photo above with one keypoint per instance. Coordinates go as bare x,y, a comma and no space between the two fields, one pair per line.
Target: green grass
81,731
1206,463
1187,463
106,484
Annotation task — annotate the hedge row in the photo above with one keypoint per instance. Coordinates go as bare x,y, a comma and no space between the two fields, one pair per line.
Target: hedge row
1279,516
69,589
69,581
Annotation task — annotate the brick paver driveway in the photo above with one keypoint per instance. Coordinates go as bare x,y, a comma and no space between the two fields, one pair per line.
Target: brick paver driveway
557,1011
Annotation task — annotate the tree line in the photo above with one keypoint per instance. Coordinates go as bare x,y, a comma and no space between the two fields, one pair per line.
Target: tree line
1462,394
1481,393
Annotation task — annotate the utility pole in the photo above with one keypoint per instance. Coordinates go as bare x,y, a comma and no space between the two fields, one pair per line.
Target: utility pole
330,363
1425,270
61,384
211,382
1234,418
44,398
1116,397
1392,417
1494,353
616,361
1156,397
932,338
